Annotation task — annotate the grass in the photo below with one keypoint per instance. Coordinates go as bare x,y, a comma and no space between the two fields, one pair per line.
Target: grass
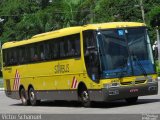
158,71
158,67
1,85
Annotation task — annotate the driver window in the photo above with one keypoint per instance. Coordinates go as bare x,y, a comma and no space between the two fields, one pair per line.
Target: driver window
90,53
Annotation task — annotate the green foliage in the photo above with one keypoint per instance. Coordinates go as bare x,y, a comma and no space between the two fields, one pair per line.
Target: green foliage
158,71
12,11
154,16
0,63
25,18
1,85
117,10
158,67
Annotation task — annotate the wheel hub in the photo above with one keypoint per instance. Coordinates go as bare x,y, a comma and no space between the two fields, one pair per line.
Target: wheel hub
85,96
32,96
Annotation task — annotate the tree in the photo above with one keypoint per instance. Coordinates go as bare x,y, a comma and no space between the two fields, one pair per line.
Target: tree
25,18
12,11
154,16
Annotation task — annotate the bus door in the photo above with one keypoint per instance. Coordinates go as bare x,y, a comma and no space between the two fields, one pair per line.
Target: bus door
91,55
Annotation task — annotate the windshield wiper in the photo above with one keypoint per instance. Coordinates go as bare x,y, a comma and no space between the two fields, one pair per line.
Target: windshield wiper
139,64
123,71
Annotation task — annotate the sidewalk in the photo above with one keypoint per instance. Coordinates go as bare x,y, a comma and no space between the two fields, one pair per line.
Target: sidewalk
1,82
1,89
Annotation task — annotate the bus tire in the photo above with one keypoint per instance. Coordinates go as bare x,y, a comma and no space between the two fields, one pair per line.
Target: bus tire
32,97
131,100
23,97
84,97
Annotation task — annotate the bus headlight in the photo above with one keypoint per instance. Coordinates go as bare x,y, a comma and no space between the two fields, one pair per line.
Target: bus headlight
107,86
156,79
150,80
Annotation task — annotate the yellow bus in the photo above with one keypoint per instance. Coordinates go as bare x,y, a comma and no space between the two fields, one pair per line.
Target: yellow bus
95,62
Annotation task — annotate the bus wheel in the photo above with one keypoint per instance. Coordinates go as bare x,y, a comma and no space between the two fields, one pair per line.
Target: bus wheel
84,96
23,97
131,100
32,97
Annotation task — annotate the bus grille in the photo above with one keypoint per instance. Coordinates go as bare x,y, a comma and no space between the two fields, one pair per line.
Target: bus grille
126,83
133,82
139,81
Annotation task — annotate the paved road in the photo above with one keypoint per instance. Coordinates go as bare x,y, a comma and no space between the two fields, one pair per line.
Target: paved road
1,83
146,104
69,110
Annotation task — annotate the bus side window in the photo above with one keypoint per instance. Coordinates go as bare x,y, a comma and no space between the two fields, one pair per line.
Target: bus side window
74,45
20,55
66,49
71,50
9,57
5,57
27,54
13,56
47,51
77,46
62,50
56,50
51,50
41,51
23,55
33,53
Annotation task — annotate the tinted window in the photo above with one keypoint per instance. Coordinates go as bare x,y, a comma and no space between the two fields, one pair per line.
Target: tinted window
55,49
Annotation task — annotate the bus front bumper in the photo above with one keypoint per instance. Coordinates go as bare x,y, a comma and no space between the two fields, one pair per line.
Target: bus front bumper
122,92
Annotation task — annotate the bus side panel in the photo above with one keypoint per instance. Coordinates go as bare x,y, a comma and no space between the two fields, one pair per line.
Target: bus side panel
57,95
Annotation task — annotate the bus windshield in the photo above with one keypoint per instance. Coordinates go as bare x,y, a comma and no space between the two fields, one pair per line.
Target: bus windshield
125,52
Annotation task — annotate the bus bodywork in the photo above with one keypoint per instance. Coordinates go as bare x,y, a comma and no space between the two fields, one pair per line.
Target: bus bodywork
112,61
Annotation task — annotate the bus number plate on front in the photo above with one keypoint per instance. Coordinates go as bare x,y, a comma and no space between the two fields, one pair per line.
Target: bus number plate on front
133,90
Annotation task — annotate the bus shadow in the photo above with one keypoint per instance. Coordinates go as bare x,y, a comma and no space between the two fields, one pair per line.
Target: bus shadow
114,104
123,103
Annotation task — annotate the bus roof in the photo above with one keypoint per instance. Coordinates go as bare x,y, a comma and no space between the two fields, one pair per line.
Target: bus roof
70,31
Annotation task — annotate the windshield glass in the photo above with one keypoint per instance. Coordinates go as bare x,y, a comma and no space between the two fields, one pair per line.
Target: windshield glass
140,50
124,52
